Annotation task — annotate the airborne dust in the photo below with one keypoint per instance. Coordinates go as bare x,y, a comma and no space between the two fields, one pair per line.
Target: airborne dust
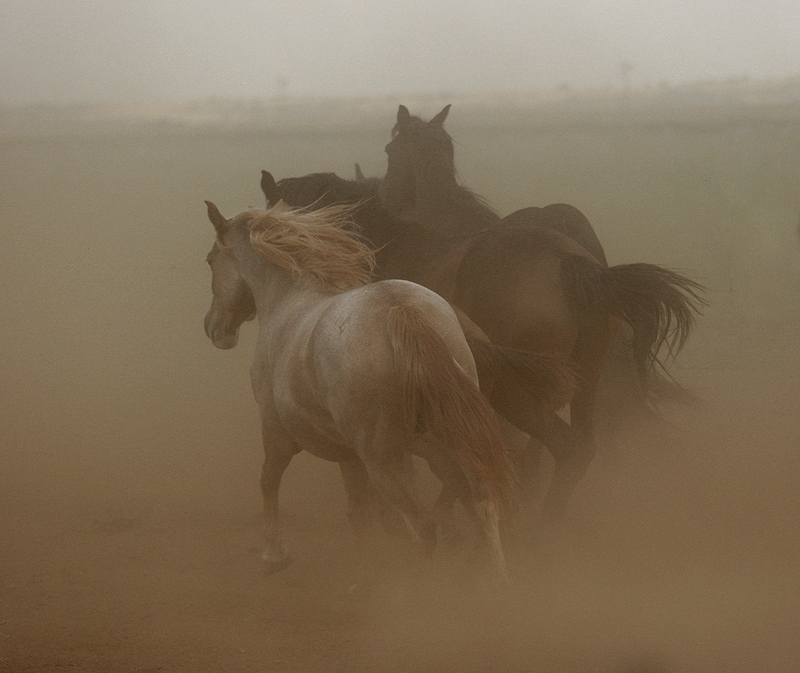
130,447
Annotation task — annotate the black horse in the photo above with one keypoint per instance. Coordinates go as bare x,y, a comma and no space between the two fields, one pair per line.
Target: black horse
421,185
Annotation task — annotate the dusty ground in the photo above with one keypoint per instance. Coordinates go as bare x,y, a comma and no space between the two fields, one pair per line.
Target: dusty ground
129,528
687,557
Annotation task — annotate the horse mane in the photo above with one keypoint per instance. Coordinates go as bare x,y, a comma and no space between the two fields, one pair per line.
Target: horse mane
320,190
447,200
320,242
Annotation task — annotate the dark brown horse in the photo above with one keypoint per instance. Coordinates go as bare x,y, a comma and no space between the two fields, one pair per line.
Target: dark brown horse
421,186
529,289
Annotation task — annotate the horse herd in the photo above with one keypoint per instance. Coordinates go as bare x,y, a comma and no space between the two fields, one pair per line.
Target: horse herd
400,317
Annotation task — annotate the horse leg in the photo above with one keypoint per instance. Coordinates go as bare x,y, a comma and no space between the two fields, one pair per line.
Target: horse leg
573,446
443,513
276,555
483,512
362,502
573,453
564,442
489,520
392,479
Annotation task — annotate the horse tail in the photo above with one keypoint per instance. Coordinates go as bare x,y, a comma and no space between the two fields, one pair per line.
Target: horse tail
545,377
439,397
659,304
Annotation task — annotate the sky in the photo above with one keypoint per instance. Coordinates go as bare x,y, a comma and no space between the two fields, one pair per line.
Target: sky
107,51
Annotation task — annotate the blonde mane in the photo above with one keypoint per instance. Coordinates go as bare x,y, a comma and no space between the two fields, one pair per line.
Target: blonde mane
320,242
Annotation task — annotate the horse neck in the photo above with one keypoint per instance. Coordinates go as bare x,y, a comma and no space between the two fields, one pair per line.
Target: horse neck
273,288
442,205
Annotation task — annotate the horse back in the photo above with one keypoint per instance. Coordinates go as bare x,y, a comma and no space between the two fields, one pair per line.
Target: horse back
351,342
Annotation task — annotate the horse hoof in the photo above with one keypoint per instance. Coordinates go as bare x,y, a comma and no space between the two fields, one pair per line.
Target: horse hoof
272,566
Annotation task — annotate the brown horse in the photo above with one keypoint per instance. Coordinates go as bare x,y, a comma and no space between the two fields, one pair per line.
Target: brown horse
421,186
529,289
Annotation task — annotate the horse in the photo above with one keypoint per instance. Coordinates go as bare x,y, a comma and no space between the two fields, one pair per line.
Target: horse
421,185
363,374
528,290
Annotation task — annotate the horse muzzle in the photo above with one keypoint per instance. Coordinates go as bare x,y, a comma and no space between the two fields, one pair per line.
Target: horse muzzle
222,335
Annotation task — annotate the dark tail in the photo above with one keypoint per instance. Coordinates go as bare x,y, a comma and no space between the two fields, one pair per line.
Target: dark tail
660,305
544,377
438,397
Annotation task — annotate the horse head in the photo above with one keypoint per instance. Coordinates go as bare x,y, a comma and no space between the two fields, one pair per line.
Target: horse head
417,150
232,302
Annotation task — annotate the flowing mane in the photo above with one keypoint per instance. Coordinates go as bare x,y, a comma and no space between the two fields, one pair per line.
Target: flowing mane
320,242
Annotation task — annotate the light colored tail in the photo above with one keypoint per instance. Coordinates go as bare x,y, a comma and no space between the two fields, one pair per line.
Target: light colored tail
438,397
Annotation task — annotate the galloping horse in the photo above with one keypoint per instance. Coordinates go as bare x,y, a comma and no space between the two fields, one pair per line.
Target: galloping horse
421,185
528,289
364,374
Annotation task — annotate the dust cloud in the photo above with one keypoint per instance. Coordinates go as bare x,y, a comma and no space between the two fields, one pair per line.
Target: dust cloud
130,447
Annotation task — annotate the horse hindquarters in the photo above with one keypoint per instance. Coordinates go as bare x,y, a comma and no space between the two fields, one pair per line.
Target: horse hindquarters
563,218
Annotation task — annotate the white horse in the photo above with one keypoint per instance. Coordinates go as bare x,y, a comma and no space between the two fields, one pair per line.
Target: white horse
358,373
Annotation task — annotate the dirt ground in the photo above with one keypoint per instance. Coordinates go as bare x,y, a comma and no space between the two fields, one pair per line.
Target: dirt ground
682,559
129,509
686,558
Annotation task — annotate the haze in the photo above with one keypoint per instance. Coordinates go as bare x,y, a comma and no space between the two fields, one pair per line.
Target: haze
130,511
101,51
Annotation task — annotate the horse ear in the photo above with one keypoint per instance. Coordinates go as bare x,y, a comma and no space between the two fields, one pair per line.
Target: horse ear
403,115
359,173
438,120
269,187
219,222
